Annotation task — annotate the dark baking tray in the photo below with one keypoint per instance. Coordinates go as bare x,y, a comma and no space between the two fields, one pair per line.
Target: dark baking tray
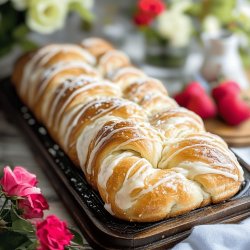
100,228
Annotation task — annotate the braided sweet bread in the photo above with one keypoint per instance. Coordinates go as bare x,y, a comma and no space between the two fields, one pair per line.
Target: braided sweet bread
148,158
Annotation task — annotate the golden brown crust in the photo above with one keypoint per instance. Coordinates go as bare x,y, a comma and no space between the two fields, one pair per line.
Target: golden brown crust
148,158
96,46
111,61
19,68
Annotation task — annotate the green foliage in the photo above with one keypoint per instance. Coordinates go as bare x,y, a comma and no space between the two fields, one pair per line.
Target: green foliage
77,237
17,233
152,36
221,9
229,18
12,240
13,30
19,224
245,56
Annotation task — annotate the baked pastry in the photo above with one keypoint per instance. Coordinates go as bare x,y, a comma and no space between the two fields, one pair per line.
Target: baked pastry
148,158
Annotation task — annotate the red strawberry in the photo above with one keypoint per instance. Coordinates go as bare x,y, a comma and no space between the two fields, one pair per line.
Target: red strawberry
193,88
228,87
181,99
202,105
233,109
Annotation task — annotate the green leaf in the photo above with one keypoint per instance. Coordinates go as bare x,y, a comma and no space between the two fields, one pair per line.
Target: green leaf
33,245
12,240
19,224
28,245
14,215
84,13
6,217
15,198
72,248
20,31
22,226
10,20
77,237
27,45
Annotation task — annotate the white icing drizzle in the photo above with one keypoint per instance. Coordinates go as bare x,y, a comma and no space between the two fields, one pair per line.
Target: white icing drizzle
64,48
37,76
198,168
171,122
75,122
150,95
49,97
170,180
130,183
58,68
143,135
92,42
108,208
72,83
159,105
171,127
84,88
87,135
185,112
116,103
29,67
125,82
110,54
83,52
43,56
122,72
123,197
108,165
165,163
83,110
66,123
100,142
212,141
105,66
56,100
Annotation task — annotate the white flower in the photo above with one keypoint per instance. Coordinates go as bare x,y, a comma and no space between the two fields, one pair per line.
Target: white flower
242,15
82,7
181,5
244,10
20,4
87,4
174,26
211,25
46,16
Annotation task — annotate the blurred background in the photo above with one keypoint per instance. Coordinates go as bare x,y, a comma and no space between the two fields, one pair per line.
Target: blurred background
173,40
176,41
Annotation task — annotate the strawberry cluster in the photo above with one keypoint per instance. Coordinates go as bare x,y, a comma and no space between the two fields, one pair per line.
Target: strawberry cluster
147,10
227,102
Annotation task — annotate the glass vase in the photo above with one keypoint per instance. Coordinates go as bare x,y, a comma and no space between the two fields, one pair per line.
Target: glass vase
222,59
159,53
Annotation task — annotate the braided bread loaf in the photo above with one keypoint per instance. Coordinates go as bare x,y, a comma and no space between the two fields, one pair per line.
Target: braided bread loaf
148,158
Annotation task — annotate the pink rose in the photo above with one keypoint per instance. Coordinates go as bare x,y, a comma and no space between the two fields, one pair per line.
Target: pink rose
19,182
53,234
33,206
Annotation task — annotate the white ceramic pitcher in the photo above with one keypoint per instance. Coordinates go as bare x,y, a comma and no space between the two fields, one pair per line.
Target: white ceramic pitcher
221,59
